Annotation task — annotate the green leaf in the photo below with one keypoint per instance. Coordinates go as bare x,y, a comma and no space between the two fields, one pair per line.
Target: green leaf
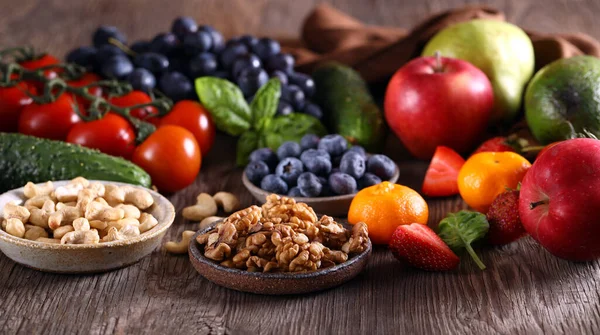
461,229
226,103
290,128
247,143
264,104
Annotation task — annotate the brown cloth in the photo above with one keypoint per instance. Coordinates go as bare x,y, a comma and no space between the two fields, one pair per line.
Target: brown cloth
377,52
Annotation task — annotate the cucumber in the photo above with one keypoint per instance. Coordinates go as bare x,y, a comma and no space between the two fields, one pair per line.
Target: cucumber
25,158
348,106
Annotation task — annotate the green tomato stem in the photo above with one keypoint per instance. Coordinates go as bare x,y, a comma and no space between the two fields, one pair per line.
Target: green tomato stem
475,257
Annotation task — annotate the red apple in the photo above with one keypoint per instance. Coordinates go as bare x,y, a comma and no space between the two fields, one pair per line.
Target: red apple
433,101
560,200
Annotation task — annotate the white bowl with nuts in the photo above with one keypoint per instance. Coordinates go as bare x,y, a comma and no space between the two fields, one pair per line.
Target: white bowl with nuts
81,226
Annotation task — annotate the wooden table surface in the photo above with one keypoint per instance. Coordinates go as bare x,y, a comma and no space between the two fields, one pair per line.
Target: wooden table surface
524,289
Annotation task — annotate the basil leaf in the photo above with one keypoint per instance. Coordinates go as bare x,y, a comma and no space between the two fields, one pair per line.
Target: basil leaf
461,229
290,128
226,104
247,143
264,104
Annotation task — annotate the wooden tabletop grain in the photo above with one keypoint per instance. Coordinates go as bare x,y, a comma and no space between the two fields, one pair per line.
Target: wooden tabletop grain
524,290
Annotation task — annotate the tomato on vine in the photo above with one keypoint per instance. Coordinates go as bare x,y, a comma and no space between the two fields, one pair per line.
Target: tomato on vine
112,134
171,156
137,98
86,79
192,116
12,101
38,62
51,120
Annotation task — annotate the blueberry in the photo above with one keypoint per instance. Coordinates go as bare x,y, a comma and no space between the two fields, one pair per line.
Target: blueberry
232,41
116,67
313,110
323,180
140,47
274,184
84,56
183,26
179,63
202,65
221,74
368,179
175,86
218,42
294,192
381,166
231,52
266,47
284,108
309,141
283,79
249,41
197,42
256,171
142,80
358,149
242,62
289,169
335,170
282,62
164,43
354,164
316,161
265,155
294,95
342,183
335,144
326,190
309,185
152,61
103,34
251,79
288,149
107,51
305,82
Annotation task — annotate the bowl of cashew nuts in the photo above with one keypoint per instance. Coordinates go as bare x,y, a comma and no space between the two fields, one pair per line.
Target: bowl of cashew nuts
82,226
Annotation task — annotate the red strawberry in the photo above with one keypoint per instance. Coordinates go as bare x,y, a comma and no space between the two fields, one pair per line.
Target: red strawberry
504,219
495,144
440,179
419,246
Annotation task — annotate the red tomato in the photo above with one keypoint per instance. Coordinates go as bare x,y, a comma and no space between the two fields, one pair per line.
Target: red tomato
442,174
39,62
136,98
171,156
52,120
112,135
193,117
86,79
12,101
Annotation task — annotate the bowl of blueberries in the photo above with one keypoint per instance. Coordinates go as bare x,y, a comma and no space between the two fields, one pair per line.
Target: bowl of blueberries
324,173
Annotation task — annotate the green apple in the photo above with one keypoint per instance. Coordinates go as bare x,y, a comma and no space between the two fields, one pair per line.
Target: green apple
501,50
562,100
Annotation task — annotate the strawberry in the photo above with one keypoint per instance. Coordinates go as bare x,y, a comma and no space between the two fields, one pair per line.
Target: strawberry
440,179
504,219
495,144
419,246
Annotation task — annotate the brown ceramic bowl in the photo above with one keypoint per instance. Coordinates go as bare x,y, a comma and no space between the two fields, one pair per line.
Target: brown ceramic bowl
275,283
86,258
334,206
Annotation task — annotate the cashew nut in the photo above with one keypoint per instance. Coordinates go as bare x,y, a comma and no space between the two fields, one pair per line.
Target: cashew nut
81,224
37,201
208,221
81,237
98,188
180,247
120,224
68,192
32,190
147,222
131,211
12,211
48,240
98,211
112,235
39,217
126,194
35,232
97,224
63,215
228,201
62,205
130,231
205,206
15,227
62,230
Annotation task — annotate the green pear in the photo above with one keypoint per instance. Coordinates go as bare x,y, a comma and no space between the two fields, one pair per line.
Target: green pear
501,50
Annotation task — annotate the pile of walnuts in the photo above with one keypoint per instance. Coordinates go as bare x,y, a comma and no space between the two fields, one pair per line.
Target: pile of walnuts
282,236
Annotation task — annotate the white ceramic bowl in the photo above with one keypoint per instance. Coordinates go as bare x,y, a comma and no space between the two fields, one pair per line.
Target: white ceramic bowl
86,258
